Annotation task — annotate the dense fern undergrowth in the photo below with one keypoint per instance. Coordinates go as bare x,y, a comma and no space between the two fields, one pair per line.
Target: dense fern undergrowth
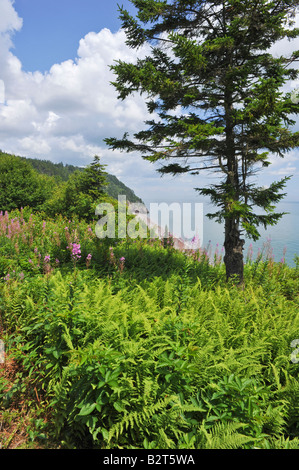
114,344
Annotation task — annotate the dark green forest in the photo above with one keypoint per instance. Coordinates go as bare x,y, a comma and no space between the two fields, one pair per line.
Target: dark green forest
36,183
62,172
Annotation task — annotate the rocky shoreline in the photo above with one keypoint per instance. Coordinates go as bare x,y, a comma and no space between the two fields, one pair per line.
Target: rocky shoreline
141,212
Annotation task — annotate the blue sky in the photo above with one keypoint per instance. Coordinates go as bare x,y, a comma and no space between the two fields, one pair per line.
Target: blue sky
59,104
52,29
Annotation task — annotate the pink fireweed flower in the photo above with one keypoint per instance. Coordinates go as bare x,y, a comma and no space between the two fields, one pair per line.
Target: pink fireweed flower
76,250
47,266
122,263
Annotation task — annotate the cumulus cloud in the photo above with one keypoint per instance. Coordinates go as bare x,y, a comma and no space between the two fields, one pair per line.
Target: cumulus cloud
65,113
9,19
287,166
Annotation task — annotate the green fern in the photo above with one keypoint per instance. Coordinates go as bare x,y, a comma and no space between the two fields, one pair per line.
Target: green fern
280,443
225,436
166,410
140,360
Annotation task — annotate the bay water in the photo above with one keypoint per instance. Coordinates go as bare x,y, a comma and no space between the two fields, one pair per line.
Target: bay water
280,241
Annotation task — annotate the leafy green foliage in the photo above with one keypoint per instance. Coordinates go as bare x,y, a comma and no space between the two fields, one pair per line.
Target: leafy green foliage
147,347
58,189
20,185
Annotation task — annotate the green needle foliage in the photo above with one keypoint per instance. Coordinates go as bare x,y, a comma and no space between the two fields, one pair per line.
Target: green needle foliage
81,193
216,93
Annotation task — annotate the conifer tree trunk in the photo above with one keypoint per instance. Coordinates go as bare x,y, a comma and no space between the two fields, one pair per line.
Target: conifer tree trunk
233,245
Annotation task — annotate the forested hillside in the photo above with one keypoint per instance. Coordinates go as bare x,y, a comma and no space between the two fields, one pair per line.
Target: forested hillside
64,171
61,173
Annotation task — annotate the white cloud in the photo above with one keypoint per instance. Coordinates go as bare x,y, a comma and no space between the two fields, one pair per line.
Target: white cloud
285,171
65,113
285,166
286,46
49,124
17,117
34,145
2,92
77,144
9,19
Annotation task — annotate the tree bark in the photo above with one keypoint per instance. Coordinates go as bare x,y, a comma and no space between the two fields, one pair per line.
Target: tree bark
233,244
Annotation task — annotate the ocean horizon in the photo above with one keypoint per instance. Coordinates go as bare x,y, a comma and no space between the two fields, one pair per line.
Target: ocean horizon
280,241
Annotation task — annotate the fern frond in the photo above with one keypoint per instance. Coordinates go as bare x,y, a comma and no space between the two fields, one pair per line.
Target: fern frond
226,436
281,443
139,419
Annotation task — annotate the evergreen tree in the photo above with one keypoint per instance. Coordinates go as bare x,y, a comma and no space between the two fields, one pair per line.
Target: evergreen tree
81,193
217,93
92,180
